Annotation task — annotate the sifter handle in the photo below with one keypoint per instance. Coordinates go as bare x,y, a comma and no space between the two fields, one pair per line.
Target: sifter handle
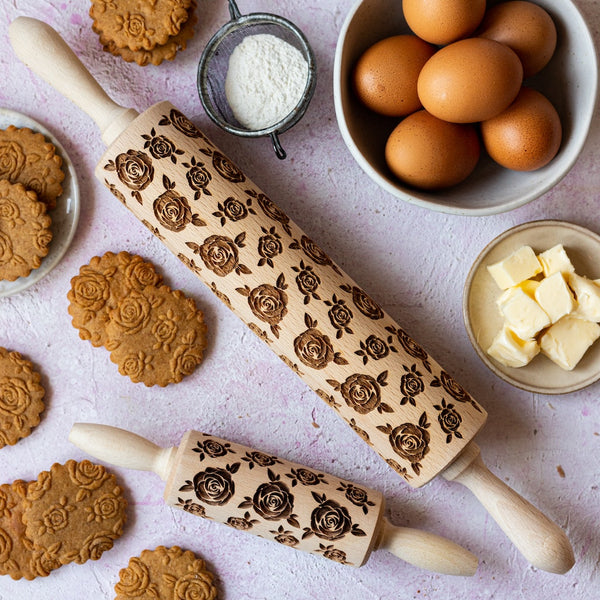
542,542
44,52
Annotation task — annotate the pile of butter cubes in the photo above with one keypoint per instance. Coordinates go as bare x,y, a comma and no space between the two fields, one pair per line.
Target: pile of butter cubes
547,308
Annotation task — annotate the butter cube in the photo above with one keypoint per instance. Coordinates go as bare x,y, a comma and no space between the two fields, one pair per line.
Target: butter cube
555,297
566,341
520,265
510,350
588,297
522,313
555,260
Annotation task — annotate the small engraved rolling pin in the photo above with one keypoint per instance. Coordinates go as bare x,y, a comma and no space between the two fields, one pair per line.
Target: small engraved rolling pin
273,498
328,330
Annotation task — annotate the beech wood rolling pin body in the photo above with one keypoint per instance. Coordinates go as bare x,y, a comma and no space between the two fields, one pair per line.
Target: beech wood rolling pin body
290,293
273,498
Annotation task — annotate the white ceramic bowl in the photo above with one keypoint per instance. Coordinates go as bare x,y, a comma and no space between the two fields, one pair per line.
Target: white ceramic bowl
569,81
483,319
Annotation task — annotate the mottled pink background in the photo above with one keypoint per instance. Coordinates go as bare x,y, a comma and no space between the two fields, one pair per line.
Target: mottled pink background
413,261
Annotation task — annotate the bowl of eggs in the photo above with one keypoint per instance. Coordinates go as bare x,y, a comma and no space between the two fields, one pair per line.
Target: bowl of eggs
462,106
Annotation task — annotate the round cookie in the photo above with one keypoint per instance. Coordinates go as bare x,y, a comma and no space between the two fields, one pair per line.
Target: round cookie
165,574
156,336
24,231
21,397
167,51
139,24
26,157
100,286
75,510
18,556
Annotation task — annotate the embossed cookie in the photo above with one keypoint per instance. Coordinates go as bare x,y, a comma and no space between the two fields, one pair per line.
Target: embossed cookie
157,336
74,511
27,157
21,397
166,574
24,231
100,286
167,51
139,24
18,556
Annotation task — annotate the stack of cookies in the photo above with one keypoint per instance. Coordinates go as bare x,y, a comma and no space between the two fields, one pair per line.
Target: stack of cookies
155,335
31,178
72,513
144,31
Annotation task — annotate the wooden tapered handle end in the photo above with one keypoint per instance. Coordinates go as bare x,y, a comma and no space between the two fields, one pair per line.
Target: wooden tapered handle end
541,541
428,551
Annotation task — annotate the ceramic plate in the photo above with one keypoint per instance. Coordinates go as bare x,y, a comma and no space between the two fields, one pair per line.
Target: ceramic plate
64,217
483,320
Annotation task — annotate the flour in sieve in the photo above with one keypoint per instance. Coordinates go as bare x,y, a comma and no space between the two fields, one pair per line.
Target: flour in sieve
265,80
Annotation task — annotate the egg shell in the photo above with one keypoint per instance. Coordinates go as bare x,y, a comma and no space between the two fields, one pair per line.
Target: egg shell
526,28
470,80
443,21
429,153
385,76
527,135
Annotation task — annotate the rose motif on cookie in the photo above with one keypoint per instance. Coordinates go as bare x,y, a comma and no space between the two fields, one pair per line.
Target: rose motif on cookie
314,348
409,441
132,313
198,177
194,586
55,518
86,475
307,281
12,160
267,302
173,211
15,398
139,273
10,213
314,252
362,392
330,520
90,290
106,507
134,580
272,501
134,169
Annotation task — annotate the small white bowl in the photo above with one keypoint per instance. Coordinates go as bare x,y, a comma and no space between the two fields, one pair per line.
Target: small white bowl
569,81
483,320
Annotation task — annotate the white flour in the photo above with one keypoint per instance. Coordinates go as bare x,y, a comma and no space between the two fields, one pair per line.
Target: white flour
265,80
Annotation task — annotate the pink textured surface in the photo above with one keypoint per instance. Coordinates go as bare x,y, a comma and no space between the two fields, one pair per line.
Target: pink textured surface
412,261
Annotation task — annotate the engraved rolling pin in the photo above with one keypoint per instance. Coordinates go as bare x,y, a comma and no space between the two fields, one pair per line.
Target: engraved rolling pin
273,498
291,294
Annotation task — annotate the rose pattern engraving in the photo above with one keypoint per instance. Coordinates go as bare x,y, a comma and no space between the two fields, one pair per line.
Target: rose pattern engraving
454,389
198,177
386,339
213,485
161,146
172,210
192,507
134,169
411,385
284,537
306,477
260,459
242,523
307,281
333,554
363,392
358,496
314,348
409,441
268,302
449,420
330,520
340,316
212,448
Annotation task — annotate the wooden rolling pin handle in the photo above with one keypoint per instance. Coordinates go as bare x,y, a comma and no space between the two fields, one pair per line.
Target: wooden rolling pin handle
67,75
129,450
542,542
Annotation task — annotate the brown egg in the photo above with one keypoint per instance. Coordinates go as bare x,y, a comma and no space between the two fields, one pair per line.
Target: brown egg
385,77
429,153
526,28
470,80
443,21
527,135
